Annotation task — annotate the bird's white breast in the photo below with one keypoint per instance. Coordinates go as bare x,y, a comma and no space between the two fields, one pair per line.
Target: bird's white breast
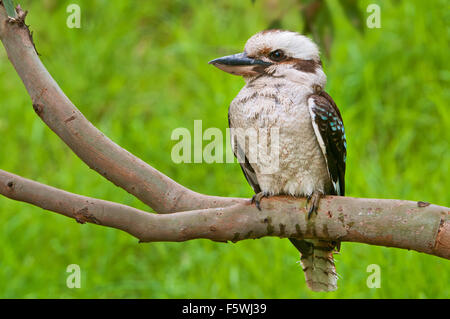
299,168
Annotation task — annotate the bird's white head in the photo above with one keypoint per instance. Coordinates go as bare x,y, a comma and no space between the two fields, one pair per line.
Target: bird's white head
275,53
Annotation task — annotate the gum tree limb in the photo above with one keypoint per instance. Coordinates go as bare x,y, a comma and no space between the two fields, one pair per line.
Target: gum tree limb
394,223
384,222
95,149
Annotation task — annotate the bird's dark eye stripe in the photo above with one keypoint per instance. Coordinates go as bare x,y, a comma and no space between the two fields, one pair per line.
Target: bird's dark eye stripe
277,55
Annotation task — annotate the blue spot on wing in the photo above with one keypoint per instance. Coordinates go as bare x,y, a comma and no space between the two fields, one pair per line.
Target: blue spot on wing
329,125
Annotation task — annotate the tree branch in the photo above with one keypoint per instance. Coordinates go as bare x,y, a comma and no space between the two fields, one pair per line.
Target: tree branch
384,222
394,223
101,154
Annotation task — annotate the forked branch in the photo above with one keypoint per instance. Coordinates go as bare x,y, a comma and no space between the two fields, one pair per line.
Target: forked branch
395,223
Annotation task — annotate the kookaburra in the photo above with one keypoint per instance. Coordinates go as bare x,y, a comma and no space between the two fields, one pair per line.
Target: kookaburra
285,90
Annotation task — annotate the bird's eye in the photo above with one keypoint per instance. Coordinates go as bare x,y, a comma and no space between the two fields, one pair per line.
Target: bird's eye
277,55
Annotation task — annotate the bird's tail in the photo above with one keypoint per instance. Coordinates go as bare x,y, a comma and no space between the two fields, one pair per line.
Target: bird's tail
318,263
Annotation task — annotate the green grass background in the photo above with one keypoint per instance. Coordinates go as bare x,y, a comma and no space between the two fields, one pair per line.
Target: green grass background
138,70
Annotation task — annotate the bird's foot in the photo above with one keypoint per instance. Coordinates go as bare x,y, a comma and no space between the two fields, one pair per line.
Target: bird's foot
312,203
256,199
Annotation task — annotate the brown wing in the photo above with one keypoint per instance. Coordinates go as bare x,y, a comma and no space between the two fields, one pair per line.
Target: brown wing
246,167
330,133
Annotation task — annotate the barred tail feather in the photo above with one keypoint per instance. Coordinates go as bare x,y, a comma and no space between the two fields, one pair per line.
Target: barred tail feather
318,263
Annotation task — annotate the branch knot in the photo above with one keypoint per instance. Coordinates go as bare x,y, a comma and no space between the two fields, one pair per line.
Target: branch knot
82,216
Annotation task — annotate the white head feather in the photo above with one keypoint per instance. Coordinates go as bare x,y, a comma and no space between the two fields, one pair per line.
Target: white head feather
297,49
293,44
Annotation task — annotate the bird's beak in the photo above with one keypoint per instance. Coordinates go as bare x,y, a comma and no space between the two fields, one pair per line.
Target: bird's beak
240,64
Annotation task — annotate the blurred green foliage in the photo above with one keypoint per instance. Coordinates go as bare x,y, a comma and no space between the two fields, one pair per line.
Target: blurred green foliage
138,70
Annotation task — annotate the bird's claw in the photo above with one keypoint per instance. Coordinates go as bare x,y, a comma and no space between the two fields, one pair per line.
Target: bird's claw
312,203
256,199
